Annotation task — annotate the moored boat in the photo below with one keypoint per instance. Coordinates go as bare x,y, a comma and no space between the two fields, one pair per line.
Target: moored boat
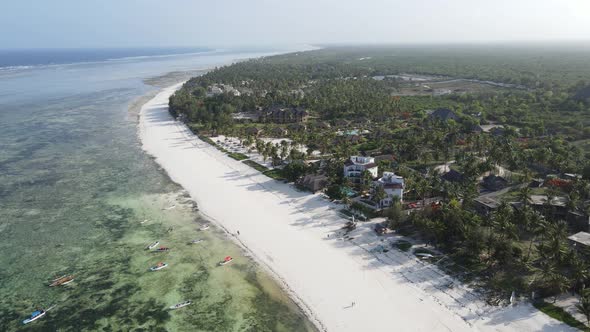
152,246
204,227
226,260
181,305
64,280
162,249
34,316
159,266
195,241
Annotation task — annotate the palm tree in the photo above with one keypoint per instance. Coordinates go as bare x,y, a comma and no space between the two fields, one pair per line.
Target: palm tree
379,195
579,272
538,226
584,305
524,195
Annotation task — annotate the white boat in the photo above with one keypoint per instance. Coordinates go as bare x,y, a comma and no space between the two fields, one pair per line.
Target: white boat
152,246
424,255
226,260
196,241
34,316
180,305
204,227
158,267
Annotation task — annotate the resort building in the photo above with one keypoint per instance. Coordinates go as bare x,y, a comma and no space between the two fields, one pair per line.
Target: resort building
356,165
313,182
580,242
283,115
393,186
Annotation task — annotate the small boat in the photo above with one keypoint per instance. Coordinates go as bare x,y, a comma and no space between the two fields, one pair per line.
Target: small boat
61,281
204,227
226,260
180,305
162,249
152,246
196,241
57,278
34,316
159,266
424,255
170,207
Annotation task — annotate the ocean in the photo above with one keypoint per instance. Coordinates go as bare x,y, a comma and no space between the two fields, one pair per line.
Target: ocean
79,196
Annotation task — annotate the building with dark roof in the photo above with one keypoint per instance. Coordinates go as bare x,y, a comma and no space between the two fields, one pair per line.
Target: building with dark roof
283,115
313,182
452,176
494,183
443,114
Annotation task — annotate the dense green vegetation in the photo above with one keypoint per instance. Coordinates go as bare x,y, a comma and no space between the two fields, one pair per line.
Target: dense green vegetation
545,127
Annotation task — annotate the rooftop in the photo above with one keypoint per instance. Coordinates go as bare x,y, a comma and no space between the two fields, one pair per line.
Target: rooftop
581,237
542,199
488,202
360,160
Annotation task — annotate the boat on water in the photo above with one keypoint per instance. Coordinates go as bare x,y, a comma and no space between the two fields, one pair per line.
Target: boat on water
204,227
159,266
152,246
181,305
34,316
162,249
226,260
196,241
61,281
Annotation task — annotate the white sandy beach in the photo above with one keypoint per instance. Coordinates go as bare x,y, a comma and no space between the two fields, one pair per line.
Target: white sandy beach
286,231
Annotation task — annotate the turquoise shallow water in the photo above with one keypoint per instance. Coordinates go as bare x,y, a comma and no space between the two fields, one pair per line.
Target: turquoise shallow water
78,196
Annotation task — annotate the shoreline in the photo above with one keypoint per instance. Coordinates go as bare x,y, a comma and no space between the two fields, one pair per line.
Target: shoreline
285,231
309,314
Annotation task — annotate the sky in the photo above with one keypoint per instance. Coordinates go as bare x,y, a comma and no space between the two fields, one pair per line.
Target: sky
226,23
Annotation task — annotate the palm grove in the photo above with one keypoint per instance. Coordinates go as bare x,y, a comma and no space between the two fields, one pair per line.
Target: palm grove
541,105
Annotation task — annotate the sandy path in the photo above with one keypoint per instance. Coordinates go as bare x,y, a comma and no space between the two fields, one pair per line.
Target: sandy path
286,231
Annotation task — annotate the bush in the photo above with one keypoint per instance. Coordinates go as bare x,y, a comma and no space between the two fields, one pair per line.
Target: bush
403,245
334,192
294,170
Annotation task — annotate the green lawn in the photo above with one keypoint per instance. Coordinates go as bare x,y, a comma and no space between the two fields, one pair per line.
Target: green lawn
237,156
276,174
255,165
559,314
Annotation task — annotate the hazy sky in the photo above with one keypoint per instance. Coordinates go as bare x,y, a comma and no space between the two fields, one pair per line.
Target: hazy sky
119,23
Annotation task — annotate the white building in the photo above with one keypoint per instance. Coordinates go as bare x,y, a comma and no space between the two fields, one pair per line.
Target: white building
393,186
214,90
356,165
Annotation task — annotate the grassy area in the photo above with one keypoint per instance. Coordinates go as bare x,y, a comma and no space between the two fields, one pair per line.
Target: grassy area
276,174
271,173
237,156
255,165
559,314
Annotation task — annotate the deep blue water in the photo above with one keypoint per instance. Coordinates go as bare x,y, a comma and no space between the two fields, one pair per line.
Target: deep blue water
37,57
